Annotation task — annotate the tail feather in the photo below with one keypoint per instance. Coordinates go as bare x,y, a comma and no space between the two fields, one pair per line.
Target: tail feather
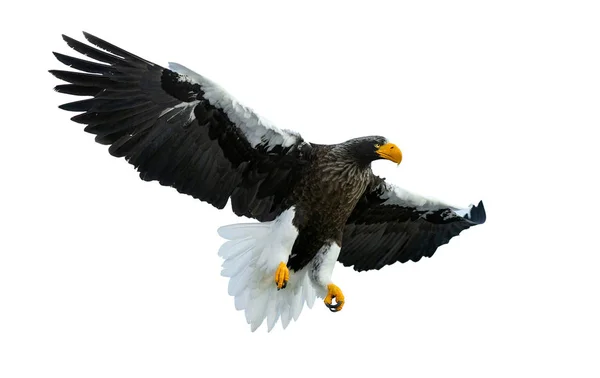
237,283
241,300
273,310
235,265
251,256
243,230
232,248
259,309
286,316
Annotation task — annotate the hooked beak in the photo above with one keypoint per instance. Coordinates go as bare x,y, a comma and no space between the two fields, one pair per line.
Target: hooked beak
391,152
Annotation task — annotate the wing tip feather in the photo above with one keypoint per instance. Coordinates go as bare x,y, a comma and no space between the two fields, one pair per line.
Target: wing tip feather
68,39
477,214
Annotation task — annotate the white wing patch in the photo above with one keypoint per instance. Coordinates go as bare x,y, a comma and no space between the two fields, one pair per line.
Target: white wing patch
257,129
402,197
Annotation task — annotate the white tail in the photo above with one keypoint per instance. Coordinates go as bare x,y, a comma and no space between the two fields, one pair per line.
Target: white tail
252,254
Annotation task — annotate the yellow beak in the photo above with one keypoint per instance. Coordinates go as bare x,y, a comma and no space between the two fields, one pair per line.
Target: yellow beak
391,152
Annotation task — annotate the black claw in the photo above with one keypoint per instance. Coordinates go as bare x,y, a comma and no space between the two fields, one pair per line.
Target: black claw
333,307
282,286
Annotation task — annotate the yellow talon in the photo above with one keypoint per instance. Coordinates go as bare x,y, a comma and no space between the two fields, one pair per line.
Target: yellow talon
334,292
282,275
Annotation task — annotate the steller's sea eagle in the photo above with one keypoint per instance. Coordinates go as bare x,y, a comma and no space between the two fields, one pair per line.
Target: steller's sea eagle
315,204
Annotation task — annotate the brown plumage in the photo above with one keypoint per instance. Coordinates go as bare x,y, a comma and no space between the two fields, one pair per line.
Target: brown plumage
330,186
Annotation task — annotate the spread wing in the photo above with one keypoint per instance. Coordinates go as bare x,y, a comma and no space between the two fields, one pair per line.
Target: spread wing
182,130
390,224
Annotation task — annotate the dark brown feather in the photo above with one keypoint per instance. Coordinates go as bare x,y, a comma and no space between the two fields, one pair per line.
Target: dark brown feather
205,156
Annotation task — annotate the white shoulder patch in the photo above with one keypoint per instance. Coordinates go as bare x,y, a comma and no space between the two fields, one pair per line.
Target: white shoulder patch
402,197
257,129
399,196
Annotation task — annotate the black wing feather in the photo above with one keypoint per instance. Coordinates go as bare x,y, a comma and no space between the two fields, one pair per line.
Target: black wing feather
168,130
380,232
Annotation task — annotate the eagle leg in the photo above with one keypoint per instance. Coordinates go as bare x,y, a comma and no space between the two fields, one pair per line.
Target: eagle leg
282,275
334,293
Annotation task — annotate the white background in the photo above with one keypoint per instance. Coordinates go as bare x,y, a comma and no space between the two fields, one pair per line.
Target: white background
104,275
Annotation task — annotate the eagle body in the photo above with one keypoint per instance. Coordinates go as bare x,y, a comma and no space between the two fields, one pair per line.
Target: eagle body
312,205
325,196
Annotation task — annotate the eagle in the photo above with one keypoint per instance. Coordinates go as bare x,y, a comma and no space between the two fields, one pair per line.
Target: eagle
311,204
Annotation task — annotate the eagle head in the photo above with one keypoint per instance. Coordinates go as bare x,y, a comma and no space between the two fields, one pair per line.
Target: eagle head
367,149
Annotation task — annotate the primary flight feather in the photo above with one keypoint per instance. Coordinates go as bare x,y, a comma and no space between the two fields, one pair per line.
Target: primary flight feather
315,204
